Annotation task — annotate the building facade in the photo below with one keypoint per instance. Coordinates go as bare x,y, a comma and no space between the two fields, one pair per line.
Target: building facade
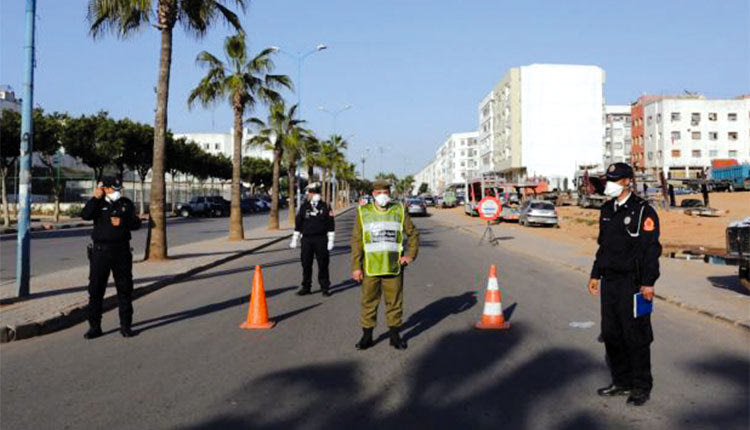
223,143
542,120
8,99
617,140
681,135
456,160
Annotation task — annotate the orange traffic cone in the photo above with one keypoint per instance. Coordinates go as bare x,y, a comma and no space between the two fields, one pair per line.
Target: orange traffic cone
257,315
492,317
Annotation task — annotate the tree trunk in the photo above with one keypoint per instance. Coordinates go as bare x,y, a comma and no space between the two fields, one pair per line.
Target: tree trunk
142,207
290,190
157,217
273,216
236,229
173,192
6,215
310,172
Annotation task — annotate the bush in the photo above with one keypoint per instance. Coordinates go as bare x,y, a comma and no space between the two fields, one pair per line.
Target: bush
73,211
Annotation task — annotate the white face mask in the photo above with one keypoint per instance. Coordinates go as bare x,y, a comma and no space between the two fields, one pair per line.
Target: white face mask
613,189
315,198
382,199
113,196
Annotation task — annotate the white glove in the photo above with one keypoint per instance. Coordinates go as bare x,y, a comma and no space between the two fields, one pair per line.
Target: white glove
331,236
295,239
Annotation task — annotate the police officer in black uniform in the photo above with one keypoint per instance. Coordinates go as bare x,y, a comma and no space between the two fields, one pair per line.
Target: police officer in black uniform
315,224
627,262
114,217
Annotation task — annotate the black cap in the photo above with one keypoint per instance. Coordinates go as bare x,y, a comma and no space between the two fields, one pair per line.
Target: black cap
617,171
111,182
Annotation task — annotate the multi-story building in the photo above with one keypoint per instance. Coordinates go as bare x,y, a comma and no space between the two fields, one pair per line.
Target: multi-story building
617,134
542,120
223,143
456,160
8,99
681,135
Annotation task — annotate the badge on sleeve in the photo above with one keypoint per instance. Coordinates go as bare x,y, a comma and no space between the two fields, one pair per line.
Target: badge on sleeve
648,225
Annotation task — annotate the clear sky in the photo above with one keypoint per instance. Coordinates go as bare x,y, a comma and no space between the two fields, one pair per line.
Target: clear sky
413,70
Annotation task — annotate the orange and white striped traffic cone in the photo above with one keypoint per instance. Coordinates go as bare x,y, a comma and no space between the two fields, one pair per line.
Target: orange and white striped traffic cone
492,316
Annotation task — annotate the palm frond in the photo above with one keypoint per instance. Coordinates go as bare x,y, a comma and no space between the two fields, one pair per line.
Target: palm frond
119,17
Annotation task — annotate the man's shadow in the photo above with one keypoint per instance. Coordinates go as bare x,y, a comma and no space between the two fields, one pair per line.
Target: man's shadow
430,315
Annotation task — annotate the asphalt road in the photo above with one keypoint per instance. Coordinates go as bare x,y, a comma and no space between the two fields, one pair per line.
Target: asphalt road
192,367
46,246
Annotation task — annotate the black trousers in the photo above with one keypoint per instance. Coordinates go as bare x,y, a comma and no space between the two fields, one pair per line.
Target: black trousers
104,259
626,339
315,247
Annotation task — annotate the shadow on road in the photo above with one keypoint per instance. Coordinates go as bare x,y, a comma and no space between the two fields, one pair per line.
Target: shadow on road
463,381
432,314
731,282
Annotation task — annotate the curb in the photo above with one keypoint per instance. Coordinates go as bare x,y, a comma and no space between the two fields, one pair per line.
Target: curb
70,317
719,317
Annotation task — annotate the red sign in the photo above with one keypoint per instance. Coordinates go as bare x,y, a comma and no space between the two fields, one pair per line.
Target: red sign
489,208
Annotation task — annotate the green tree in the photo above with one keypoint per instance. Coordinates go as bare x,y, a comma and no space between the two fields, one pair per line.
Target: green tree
243,81
274,134
137,151
257,171
310,153
329,157
10,147
404,186
92,140
127,17
47,142
423,188
294,147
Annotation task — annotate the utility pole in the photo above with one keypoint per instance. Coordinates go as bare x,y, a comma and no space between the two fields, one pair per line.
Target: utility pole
23,252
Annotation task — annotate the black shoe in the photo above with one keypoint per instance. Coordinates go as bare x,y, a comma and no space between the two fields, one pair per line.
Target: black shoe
126,331
93,333
326,292
366,340
396,340
613,390
638,398
303,291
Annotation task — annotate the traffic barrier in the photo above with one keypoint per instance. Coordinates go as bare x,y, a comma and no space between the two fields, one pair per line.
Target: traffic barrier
492,316
257,314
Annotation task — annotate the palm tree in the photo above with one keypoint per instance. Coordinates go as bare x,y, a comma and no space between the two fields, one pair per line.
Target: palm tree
294,146
310,154
127,17
330,155
243,81
274,133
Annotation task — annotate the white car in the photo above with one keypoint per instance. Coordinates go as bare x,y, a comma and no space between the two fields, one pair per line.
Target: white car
538,212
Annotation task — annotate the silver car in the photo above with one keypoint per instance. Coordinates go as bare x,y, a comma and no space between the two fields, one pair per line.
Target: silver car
538,212
416,206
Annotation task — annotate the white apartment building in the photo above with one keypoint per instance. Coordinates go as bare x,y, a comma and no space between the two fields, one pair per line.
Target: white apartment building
223,143
8,99
682,136
544,120
617,134
456,160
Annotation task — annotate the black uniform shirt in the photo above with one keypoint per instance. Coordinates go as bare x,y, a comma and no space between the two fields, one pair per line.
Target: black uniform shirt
628,241
314,220
102,210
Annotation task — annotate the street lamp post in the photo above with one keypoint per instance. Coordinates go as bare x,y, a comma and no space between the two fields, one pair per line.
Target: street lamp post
300,57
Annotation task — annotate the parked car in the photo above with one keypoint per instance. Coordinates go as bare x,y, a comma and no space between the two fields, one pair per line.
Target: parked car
429,200
510,213
203,206
247,205
416,206
262,205
221,203
537,212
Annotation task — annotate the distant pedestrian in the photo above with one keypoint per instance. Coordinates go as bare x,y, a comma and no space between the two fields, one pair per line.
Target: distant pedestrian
378,259
627,262
315,224
114,217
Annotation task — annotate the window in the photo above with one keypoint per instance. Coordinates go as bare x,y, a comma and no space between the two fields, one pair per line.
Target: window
659,155
713,135
618,145
695,118
732,116
675,135
696,135
732,135
696,153
650,155
676,153
712,116
713,153
658,117
648,120
216,146
675,116
732,152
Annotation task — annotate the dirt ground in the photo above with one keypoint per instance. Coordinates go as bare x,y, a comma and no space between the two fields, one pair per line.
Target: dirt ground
678,231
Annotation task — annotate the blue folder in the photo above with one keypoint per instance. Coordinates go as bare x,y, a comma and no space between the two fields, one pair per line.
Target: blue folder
641,306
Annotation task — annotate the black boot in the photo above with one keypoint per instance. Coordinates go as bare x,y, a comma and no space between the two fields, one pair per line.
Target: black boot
326,292
126,331
93,333
396,340
366,340
303,291
638,397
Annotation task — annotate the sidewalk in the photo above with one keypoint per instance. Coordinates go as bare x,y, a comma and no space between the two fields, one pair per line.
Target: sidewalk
710,290
59,300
